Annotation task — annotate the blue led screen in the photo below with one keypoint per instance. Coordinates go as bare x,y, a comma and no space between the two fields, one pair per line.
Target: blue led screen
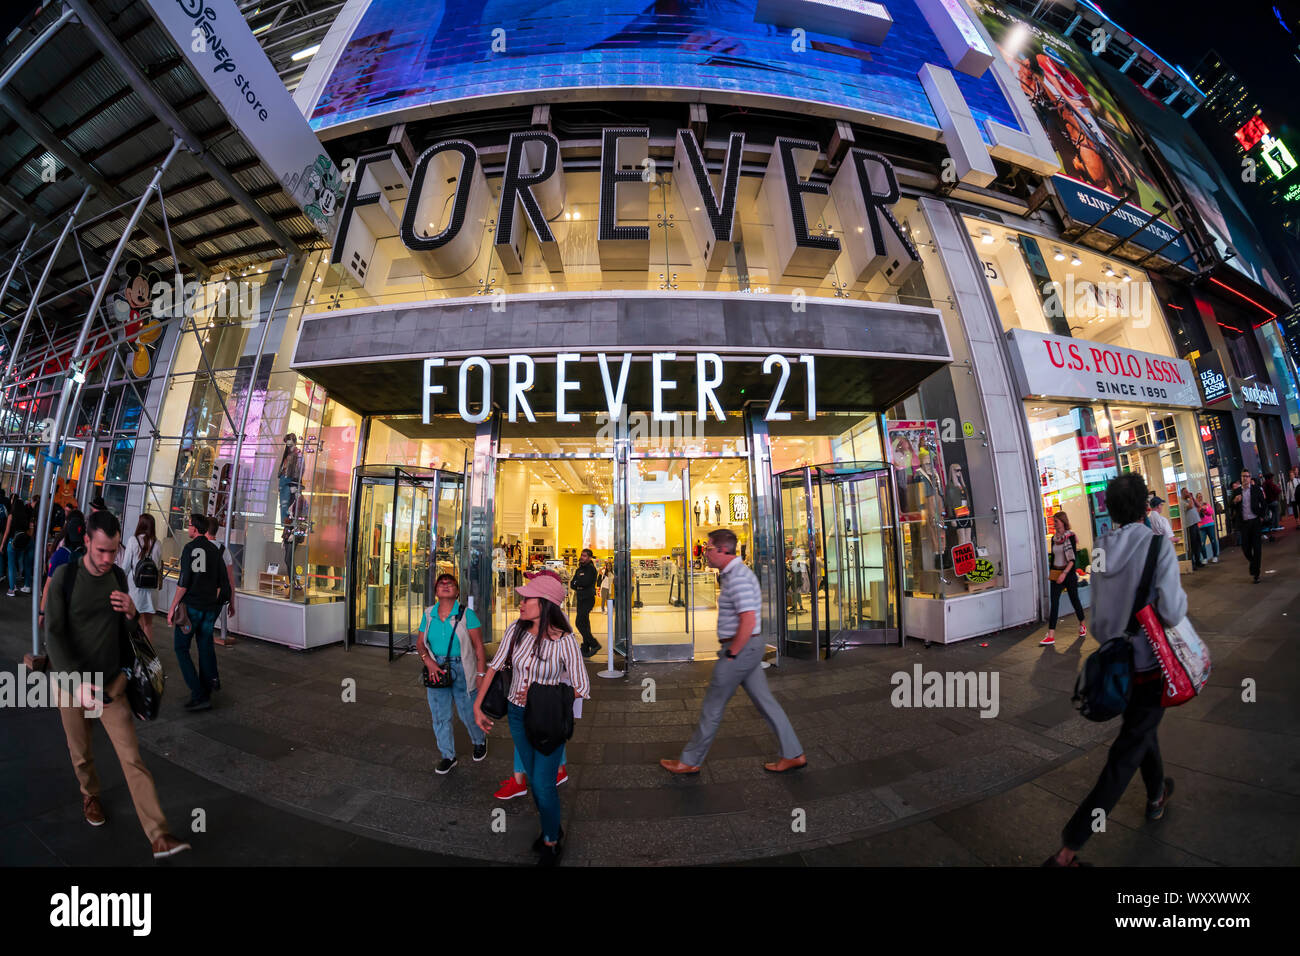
407,54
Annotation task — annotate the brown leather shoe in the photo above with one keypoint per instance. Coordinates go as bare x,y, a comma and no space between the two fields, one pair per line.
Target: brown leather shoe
94,811
167,845
786,763
676,766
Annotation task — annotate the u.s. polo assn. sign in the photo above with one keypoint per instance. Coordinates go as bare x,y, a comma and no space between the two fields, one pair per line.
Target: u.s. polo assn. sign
1058,366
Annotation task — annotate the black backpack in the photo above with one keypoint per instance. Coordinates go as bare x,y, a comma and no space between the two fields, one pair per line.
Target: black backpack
145,573
1103,687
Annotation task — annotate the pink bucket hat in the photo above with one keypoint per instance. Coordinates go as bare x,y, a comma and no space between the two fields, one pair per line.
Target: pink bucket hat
547,586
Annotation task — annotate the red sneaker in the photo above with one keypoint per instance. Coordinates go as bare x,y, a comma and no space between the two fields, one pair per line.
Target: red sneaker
511,789
561,776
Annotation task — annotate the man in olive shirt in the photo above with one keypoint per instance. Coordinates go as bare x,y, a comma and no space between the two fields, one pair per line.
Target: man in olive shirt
84,634
584,592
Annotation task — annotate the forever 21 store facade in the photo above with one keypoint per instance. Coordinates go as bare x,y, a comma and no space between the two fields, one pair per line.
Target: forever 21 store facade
621,319
759,263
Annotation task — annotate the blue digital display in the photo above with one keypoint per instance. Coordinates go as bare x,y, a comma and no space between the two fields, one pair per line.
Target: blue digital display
407,54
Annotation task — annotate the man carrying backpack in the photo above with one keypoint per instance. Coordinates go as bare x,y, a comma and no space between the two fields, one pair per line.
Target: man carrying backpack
83,634
202,589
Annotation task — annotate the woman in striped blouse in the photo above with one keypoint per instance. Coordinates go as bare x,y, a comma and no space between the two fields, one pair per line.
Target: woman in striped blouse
542,650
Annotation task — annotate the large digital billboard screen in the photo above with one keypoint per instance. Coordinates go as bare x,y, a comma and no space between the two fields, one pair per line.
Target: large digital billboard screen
421,57
1208,188
1098,151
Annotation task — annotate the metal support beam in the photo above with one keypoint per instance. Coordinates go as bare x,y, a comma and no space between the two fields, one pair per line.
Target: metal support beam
1160,211
46,35
1128,194
163,110
72,386
42,132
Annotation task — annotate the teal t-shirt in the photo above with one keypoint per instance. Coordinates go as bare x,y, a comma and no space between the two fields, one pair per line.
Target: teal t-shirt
436,630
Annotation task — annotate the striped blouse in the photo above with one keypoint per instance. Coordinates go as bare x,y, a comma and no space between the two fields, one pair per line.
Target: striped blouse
559,661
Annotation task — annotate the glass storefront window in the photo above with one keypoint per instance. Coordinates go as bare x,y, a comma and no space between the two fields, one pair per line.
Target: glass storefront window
833,437
446,442
1053,287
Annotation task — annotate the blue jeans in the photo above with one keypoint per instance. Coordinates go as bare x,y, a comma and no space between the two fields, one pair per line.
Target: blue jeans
519,761
287,488
1211,534
440,701
541,770
200,684
20,560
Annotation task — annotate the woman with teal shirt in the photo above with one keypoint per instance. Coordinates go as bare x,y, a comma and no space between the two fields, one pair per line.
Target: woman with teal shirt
452,637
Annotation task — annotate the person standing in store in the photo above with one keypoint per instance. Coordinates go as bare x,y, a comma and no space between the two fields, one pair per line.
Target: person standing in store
1191,519
289,473
1209,529
1065,547
201,592
1248,507
740,663
17,540
1114,593
541,649
84,635
583,583
451,638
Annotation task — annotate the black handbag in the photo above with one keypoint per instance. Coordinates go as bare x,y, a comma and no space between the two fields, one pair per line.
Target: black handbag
496,699
548,715
144,675
445,679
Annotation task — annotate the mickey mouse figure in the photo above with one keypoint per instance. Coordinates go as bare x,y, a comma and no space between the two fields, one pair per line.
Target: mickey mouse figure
133,308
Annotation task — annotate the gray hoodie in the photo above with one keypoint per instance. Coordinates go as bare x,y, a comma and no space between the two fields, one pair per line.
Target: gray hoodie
1115,589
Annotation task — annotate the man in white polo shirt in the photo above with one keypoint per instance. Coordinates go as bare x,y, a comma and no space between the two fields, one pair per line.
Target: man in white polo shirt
740,663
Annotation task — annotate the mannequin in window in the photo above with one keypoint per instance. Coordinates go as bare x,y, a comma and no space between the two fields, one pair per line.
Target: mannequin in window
932,498
697,521
534,511
706,507
545,511
957,498
717,512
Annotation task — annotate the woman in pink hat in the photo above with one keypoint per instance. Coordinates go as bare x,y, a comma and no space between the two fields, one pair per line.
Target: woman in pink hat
541,649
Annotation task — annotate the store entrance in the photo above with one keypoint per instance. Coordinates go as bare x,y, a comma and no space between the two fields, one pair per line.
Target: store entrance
840,554
407,530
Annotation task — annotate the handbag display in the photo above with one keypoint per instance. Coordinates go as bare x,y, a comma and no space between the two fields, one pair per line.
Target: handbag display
1184,658
496,700
445,679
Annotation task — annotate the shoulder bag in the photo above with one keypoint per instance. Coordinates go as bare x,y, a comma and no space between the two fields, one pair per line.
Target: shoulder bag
1184,658
1059,573
548,715
445,679
496,700
1103,687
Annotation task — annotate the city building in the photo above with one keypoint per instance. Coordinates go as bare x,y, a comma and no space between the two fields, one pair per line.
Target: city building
877,293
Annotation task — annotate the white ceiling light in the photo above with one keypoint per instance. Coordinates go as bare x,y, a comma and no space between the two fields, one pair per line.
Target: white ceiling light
1059,256
986,237
1075,260
303,54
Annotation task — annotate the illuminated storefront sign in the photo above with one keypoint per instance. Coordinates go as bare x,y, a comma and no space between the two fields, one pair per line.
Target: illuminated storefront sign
1057,366
1214,384
864,191
473,384
1277,157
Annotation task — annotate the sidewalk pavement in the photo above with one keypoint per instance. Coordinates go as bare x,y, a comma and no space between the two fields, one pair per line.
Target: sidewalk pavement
288,772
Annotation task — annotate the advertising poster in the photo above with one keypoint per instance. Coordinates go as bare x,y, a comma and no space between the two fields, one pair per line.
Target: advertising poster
415,54
1096,146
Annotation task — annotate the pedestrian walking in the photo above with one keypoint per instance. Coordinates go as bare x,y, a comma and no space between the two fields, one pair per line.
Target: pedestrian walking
1249,507
202,590
1115,592
1065,547
541,650
214,525
1293,494
451,643
72,545
1209,528
144,543
740,663
584,592
19,549
83,634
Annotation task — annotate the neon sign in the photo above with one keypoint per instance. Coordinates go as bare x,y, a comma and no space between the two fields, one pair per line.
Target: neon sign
1250,134
1278,158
